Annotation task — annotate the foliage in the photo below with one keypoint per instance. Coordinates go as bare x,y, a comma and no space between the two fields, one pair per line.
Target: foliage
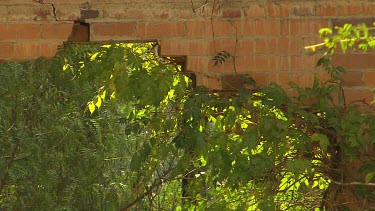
346,37
115,127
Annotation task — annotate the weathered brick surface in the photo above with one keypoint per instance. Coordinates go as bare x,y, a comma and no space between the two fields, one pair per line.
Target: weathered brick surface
127,29
296,27
59,31
350,9
27,49
7,50
208,29
369,78
48,49
265,38
255,11
19,31
278,9
326,10
163,29
355,61
352,78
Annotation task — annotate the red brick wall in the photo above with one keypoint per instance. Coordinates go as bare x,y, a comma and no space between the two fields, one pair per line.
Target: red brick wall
266,36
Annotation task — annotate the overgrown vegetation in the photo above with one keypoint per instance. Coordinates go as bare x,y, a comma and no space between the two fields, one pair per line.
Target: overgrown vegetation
114,127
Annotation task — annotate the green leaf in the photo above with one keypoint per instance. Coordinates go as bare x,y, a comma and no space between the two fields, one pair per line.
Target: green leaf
298,165
322,138
369,177
325,31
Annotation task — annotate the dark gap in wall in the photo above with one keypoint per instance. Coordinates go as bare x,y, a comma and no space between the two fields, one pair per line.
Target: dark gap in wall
80,32
355,21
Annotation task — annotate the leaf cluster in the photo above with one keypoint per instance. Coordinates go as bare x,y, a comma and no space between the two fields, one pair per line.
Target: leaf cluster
115,127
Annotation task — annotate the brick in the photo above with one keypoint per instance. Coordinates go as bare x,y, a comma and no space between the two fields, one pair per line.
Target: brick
68,12
19,31
14,2
49,49
6,50
278,45
269,63
56,31
114,11
278,10
302,26
325,10
244,47
38,12
204,28
3,13
88,14
364,93
308,41
352,78
261,79
202,64
368,9
267,27
156,30
323,76
211,82
43,15
234,81
226,67
231,82
128,29
281,79
64,1
232,13
177,47
297,62
255,11
354,61
247,28
225,44
244,64
206,10
350,9
261,28
369,78
304,10
264,62
302,79
162,15
355,21
134,13
27,50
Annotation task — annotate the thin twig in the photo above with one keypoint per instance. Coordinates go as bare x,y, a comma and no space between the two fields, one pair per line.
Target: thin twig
202,7
313,47
235,47
352,183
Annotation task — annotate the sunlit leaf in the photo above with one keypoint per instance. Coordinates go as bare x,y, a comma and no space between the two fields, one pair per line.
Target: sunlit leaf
98,101
91,107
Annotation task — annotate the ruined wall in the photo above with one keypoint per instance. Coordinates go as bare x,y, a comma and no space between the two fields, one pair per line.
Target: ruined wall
266,36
